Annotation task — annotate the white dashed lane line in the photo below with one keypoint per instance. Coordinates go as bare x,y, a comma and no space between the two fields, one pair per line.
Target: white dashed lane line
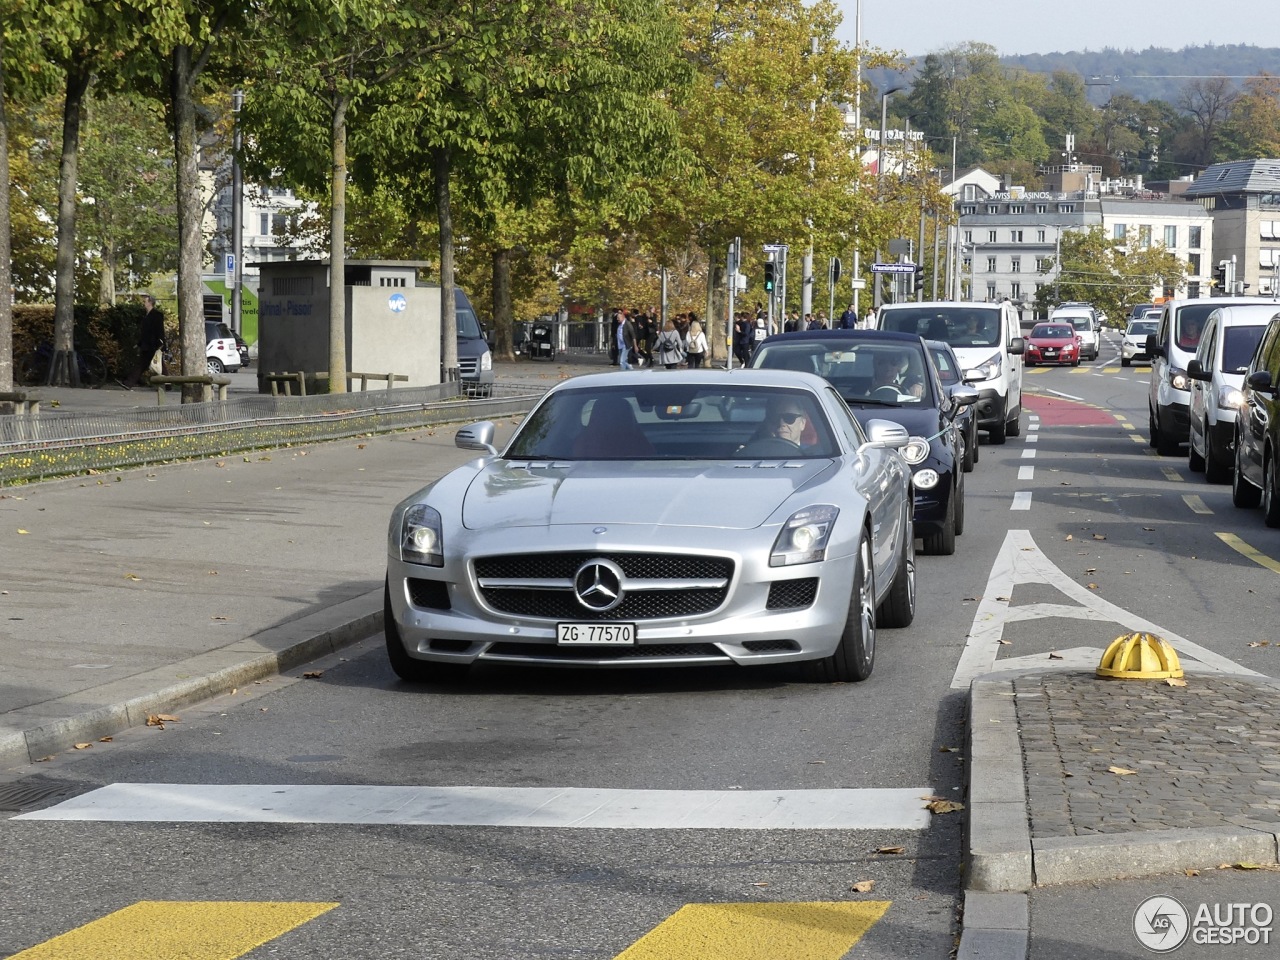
1027,472
1021,500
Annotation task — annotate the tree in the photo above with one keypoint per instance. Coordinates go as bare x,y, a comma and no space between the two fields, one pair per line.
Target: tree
1097,269
1252,129
1209,103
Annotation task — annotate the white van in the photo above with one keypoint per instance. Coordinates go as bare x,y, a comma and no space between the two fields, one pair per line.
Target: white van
1216,373
1084,319
985,337
1171,348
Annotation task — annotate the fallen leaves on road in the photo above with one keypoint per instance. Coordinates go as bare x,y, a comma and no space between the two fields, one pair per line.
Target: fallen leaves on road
1090,569
890,849
44,759
1191,872
948,749
1004,643
83,746
1259,643
942,805
1176,682
863,886
1068,537
760,883
317,674
105,739
1092,586
1099,536
1055,656
20,530
817,761
133,576
1120,771
160,719
360,446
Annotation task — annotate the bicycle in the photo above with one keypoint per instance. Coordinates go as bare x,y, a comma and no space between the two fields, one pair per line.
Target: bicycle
34,368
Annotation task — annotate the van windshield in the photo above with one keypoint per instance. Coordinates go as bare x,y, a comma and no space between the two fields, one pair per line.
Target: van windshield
1238,344
959,326
1190,324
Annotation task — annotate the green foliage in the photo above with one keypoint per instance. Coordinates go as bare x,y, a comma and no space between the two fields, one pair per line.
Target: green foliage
1108,273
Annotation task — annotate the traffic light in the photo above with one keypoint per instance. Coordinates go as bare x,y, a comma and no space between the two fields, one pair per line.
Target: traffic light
1220,275
768,278
835,270
919,277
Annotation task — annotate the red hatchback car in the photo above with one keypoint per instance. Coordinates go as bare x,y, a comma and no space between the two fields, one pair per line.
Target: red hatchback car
1052,343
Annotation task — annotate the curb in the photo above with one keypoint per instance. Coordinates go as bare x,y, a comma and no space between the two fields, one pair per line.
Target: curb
37,731
1002,856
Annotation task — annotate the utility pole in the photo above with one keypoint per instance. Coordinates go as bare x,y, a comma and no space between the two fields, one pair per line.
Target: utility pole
237,216
806,266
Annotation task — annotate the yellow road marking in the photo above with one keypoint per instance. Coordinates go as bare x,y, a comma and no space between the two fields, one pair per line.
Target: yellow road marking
758,931
178,930
1110,369
1169,472
1195,503
1122,417
1242,548
1135,438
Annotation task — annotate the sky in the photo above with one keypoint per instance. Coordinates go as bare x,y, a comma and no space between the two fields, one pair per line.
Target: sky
1013,27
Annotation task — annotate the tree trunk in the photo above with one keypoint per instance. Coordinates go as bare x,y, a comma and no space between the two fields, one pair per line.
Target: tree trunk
715,327
448,311
107,276
190,214
6,262
338,250
64,296
502,304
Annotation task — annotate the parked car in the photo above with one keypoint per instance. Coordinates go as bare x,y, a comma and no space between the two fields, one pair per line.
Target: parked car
220,350
475,361
633,520
856,362
951,374
987,339
1133,346
1171,348
1084,319
1257,476
1052,343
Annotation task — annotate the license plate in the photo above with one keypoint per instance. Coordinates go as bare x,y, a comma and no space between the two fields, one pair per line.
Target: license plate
596,634
1051,353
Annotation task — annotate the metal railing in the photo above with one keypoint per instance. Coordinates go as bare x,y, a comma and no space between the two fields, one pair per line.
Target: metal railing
35,447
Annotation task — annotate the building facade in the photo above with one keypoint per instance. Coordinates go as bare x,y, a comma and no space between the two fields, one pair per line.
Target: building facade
1243,200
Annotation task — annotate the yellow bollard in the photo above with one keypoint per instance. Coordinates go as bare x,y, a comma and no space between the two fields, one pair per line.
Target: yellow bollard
1139,656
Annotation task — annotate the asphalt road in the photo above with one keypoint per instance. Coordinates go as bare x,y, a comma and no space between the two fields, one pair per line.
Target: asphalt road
1106,511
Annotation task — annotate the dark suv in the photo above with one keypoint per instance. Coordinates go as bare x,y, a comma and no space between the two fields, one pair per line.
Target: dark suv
1257,475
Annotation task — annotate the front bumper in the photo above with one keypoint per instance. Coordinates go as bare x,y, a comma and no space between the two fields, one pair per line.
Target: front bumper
1131,351
991,408
744,629
1059,356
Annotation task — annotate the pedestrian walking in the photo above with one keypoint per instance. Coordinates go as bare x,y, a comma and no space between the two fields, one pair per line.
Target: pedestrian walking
150,343
667,346
626,340
849,319
696,345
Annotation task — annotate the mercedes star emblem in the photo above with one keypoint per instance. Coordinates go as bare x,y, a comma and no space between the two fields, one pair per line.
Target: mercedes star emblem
598,585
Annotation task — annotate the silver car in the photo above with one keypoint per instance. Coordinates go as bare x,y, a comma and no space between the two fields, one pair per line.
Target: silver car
686,518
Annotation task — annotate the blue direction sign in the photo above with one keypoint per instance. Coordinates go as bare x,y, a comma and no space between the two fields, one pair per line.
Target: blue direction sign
893,268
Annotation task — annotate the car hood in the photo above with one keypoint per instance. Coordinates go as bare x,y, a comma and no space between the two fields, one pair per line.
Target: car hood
735,495
1042,342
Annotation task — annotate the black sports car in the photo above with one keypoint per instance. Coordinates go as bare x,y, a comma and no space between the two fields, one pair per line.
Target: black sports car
891,376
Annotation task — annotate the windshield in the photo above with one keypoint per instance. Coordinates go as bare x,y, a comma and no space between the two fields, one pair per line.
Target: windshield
942,360
1238,344
888,372
1047,331
1082,322
1141,328
960,326
1190,324
676,421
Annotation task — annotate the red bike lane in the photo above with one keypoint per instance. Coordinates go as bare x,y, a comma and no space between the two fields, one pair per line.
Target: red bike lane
1060,412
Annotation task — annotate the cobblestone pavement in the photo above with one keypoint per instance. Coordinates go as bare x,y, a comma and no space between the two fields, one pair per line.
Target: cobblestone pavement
1203,755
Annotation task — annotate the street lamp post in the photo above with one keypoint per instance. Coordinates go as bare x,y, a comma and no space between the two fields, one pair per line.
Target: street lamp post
884,114
237,215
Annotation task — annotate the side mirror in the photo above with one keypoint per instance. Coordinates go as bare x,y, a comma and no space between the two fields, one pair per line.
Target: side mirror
1153,346
1017,345
964,395
477,436
1196,370
1261,381
885,433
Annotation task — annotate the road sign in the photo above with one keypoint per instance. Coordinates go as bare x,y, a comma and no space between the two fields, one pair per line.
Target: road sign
893,268
857,283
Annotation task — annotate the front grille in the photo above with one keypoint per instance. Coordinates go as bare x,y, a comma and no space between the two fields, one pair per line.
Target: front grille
708,585
468,366
430,594
563,605
792,594
771,646
639,566
550,651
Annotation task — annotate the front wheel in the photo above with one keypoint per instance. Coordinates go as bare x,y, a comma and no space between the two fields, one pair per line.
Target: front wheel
899,607
1195,462
943,543
1271,494
1124,362
997,433
855,654
1243,493
1014,426
214,366
958,494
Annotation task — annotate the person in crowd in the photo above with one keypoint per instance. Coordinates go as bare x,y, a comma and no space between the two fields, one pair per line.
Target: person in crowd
668,348
626,340
869,321
696,345
849,319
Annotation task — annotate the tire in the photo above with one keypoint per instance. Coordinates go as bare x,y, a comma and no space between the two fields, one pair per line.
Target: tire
1166,444
958,495
1215,470
1014,427
1075,362
977,454
1270,494
1194,461
970,454
213,365
855,654
997,433
1152,431
406,667
899,606
1124,362
943,543
1243,494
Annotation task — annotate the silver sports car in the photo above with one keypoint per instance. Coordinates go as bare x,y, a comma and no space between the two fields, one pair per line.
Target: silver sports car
660,519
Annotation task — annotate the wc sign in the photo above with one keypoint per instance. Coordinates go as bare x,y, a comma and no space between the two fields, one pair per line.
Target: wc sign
397,302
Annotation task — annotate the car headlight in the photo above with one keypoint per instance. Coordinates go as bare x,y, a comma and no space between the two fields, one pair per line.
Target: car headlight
486,361
1230,398
1178,379
421,536
915,451
803,538
987,370
925,479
